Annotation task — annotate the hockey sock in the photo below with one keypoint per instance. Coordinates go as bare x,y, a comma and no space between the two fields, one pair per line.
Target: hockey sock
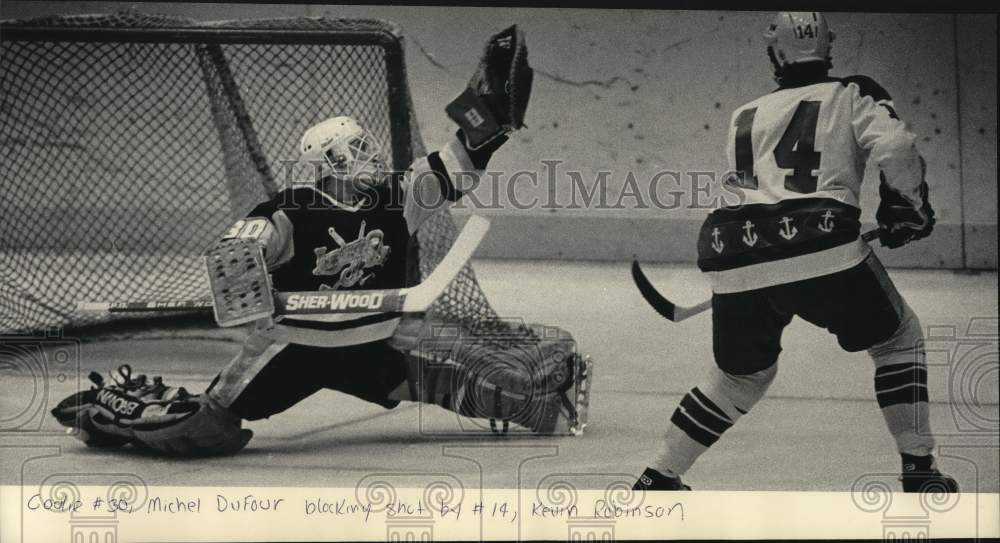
901,386
705,413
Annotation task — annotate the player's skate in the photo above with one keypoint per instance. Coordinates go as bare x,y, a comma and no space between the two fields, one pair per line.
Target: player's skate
654,480
921,475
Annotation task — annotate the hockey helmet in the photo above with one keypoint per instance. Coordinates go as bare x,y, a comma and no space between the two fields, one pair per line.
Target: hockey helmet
798,36
343,149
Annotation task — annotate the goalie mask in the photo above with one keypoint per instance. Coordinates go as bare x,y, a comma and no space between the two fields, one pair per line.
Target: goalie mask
796,37
340,148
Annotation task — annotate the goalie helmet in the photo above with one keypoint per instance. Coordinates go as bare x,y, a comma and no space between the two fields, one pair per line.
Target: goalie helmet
343,149
796,37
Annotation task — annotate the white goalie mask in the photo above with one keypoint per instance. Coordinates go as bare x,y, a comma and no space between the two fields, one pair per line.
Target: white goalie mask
344,150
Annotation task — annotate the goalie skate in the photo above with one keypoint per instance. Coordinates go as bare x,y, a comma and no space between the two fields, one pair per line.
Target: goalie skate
576,399
572,403
570,406
241,286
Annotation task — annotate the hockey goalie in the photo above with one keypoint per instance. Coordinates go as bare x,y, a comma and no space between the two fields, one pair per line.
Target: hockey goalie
348,229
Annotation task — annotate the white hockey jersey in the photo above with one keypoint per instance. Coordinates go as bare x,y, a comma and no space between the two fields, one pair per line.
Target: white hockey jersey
799,157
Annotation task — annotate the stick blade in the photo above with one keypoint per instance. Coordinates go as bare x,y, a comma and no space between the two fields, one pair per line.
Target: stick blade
663,306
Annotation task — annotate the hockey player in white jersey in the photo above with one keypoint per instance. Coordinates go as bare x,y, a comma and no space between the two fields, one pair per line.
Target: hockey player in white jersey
793,249
349,229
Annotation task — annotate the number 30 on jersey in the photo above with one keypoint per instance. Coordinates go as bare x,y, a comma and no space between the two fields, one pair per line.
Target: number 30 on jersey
246,229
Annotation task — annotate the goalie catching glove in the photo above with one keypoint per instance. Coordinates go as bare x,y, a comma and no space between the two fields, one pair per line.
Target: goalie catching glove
901,220
148,414
497,96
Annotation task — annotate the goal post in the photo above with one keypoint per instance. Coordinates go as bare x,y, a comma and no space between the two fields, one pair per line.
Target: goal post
129,142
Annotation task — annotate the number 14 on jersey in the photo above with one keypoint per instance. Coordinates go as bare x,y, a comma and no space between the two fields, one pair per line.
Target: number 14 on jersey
795,150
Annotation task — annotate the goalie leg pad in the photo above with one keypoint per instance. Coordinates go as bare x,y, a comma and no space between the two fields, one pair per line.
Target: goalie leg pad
255,354
208,430
241,286
500,392
565,411
537,381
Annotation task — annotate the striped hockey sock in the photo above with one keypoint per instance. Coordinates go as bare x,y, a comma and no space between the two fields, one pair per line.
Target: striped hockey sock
706,412
696,425
901,392
901,386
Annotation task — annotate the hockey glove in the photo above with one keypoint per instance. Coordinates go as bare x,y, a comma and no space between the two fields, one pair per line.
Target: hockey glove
900,222
497,96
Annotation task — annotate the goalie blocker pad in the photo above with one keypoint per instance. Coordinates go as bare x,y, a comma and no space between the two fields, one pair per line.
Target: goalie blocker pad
241,286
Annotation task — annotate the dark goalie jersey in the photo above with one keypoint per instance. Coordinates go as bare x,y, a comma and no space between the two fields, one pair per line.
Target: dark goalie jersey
313,242
799,155
335,246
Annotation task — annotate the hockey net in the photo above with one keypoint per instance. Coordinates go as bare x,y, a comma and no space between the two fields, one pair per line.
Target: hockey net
130,142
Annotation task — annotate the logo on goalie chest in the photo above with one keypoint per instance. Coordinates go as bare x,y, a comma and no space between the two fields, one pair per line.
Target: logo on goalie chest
351,259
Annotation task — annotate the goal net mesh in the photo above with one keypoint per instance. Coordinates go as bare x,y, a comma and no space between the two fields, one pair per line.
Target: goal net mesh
130,142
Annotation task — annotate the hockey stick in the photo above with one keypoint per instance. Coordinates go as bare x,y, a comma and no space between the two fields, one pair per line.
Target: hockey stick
415,299
677,313
403,300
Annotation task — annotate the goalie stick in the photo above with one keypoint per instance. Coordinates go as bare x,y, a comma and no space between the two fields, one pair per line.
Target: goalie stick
415,299
677,313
